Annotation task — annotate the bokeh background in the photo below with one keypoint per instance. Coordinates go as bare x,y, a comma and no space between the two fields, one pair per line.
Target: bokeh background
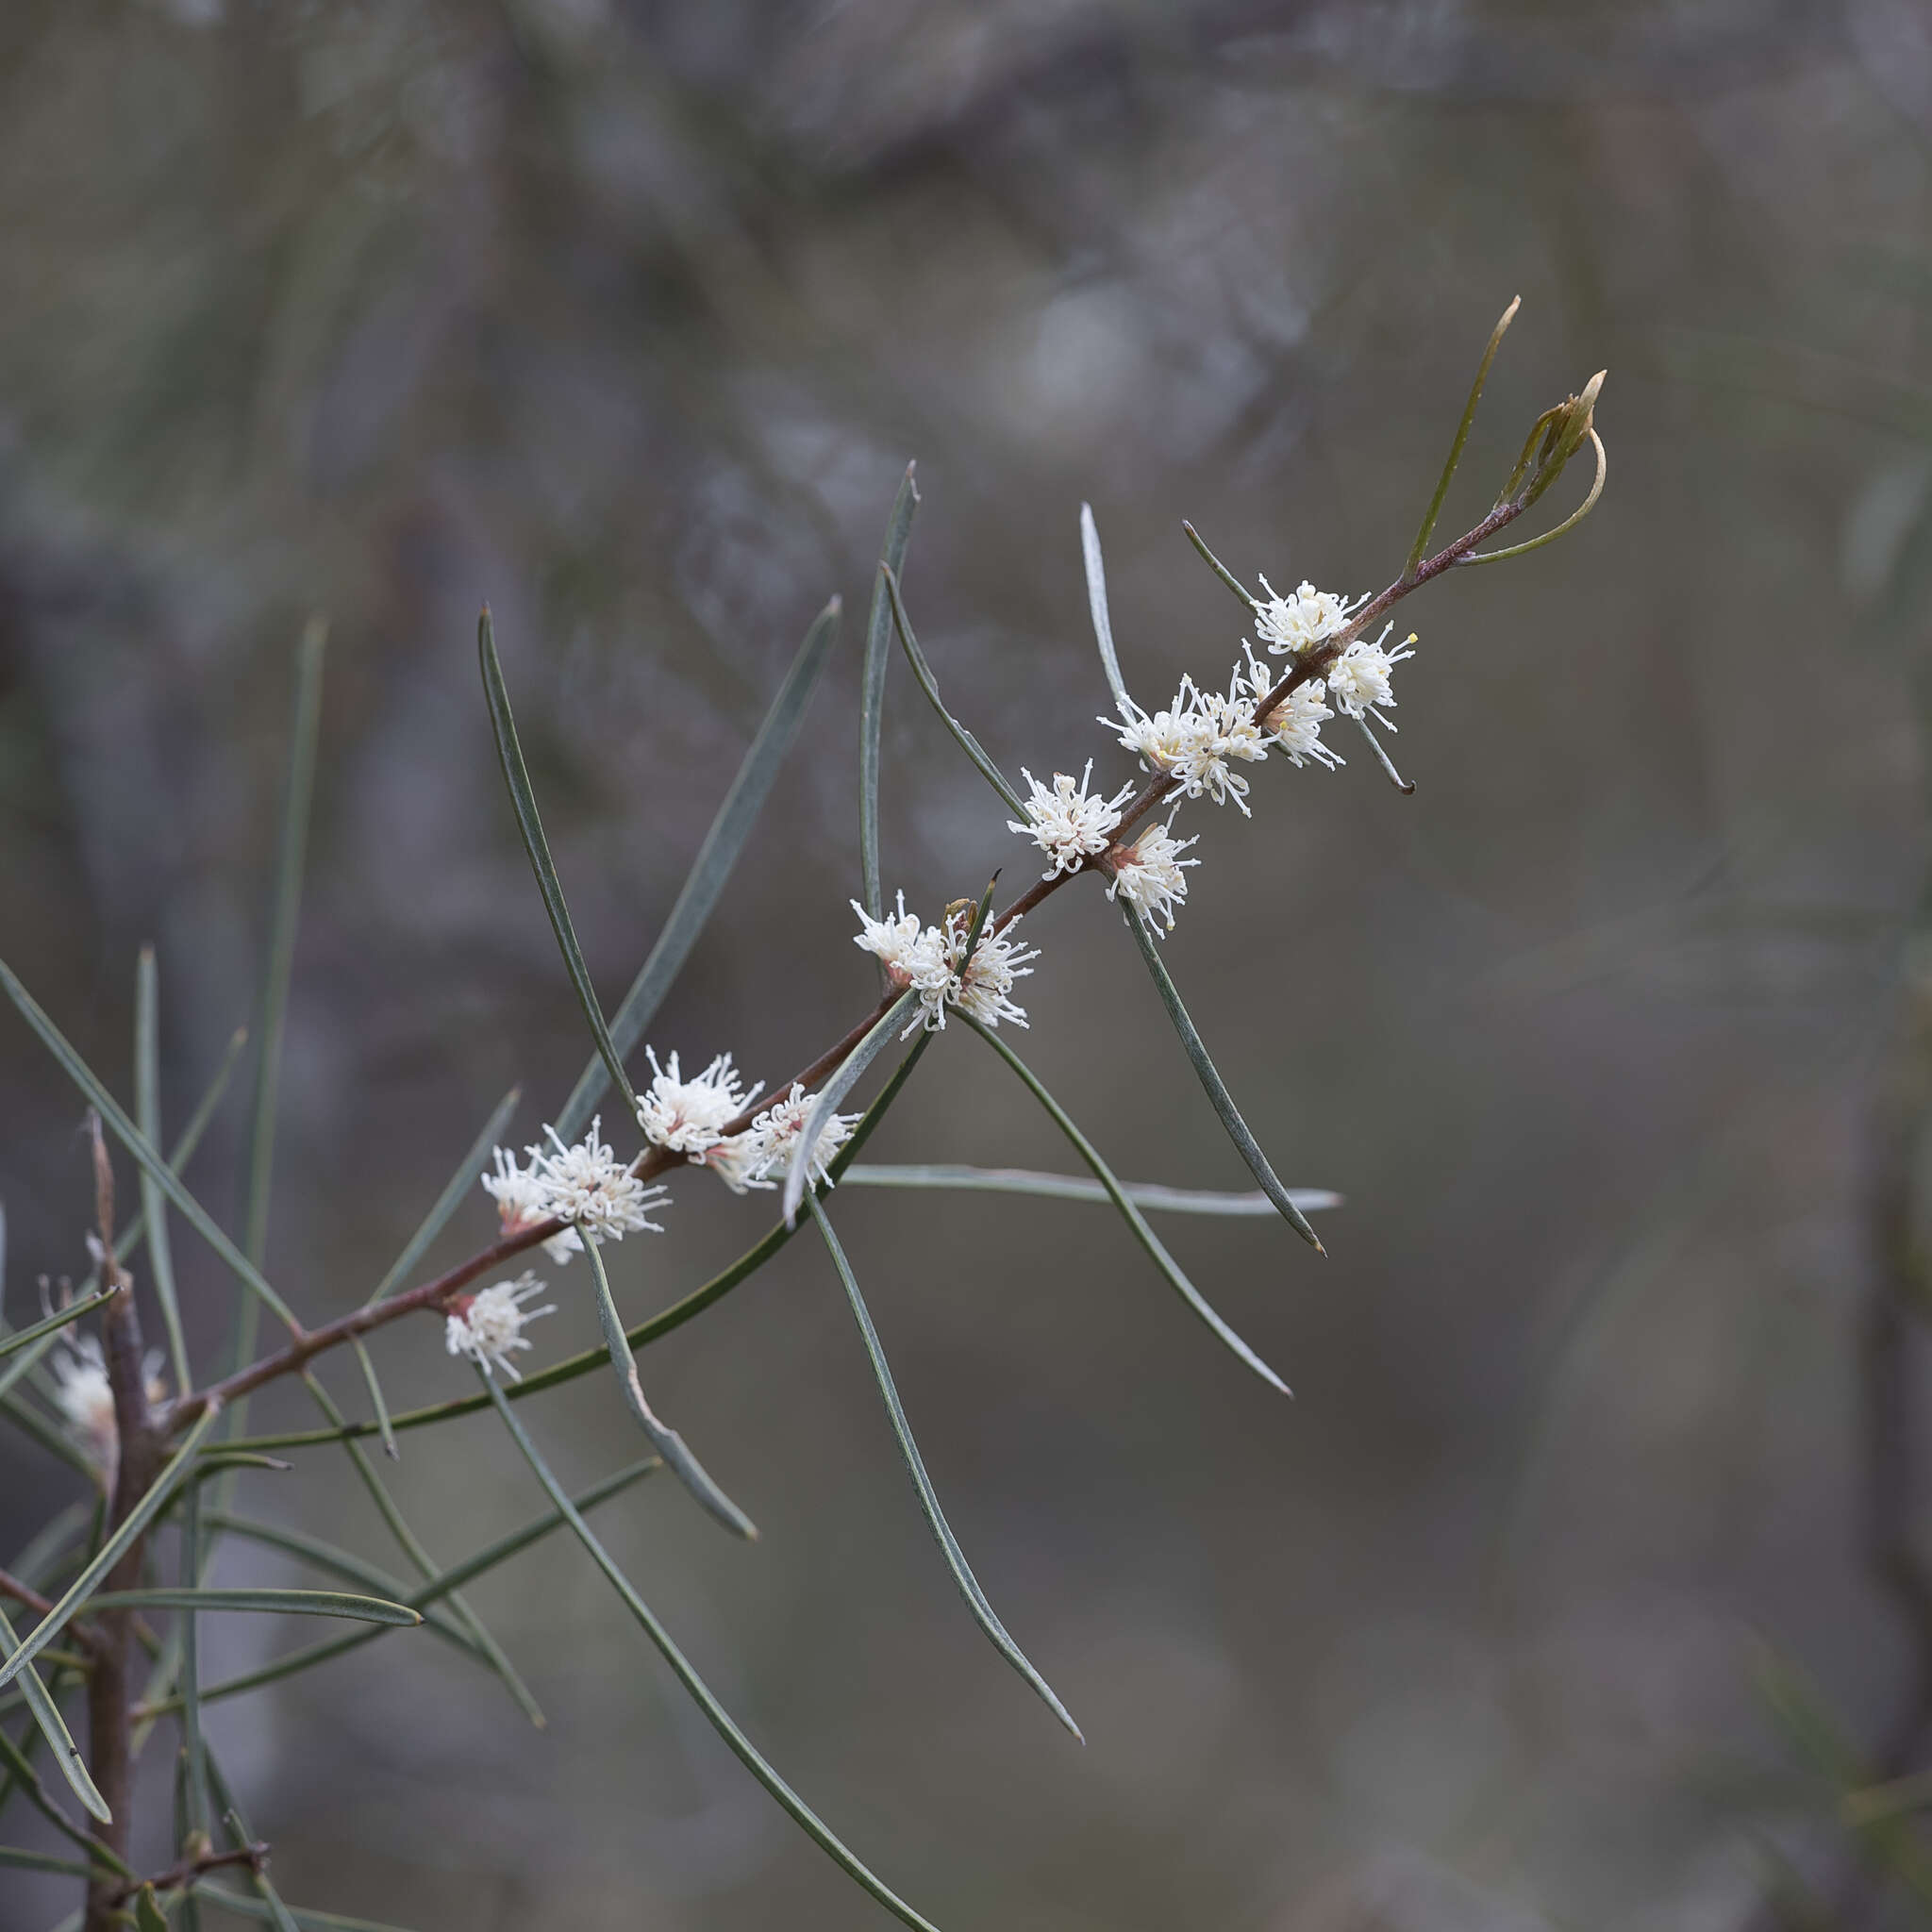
627,317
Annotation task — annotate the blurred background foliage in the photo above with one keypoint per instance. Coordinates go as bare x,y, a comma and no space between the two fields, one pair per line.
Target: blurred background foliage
626,317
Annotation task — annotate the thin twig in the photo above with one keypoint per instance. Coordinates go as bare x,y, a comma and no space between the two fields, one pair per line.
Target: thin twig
178,1876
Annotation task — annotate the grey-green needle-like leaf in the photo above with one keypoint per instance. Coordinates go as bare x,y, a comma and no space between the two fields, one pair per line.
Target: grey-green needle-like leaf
1214,1085
712,867
931,685
699,1691
124,1129
667,1442
1149,1195
23,1337
53,1726
130,1527
872,705
1096,604
968,1584
281,1603
522,800
1137,1222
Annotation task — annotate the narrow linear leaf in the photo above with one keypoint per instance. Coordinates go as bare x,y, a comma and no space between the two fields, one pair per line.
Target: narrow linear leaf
194,1779
147,1110
20,1771
1220,569
22,1338
48,1861
53,1727
931,685
425,1566
1136,1221
1215,1087
138,1145
705,883
667,1442
285,1602
285,909
834,1091
1148,1196
445,1584
699,1691
304,1918
125,1242
1405,786
376,1401
968,1584
523,802
148,1916
217,1461
333,1561
131,1527
1462,428
652,1329
872,704
1096,604
455,1190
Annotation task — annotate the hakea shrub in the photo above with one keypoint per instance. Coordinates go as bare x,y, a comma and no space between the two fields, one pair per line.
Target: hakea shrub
152,1431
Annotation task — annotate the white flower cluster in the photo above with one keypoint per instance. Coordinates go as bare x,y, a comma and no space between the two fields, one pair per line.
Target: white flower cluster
489,1327
1068,826
931,961
584,1185
690,1116
1303,620
759,1155
86,1398
1147,874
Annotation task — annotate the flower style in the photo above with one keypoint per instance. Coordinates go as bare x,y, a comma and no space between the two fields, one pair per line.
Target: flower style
689,1116
488,1325
589,1186
1294,725
1067,825
1358,680
1299,622
1147,874
518,1192
85,1397
757,1157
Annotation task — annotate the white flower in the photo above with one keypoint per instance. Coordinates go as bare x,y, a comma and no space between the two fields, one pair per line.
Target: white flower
1194,740
1066,825
1295,723
1302,619
518,1192
926,960
1358,680
85,1397
588,1185
915,955
982,988
757,1157
488,1325
1147,874
689,1116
